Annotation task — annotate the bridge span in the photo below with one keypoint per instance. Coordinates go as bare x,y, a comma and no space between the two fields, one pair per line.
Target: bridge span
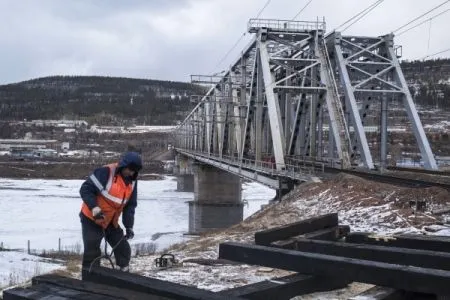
295,103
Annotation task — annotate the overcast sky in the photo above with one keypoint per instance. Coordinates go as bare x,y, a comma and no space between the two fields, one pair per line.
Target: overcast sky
171,39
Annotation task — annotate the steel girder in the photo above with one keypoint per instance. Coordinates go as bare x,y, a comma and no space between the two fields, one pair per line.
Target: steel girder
369,75
271,105
279,104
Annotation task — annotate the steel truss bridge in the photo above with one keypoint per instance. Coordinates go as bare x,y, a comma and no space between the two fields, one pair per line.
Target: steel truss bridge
297,101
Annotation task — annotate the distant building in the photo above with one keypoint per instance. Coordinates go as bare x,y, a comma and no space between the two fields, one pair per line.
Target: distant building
45,153
65,146
29,148
9,144
59,123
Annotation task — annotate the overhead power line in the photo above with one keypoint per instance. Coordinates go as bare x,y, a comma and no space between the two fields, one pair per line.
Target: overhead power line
300,11
437,53
229,51
359,14
262,9
363,15
417,18
239,39
423,22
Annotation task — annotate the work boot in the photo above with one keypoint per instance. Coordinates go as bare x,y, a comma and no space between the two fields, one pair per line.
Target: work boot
125,269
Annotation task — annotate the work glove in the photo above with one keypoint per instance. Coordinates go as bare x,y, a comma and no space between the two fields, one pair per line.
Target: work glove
129,233
97,213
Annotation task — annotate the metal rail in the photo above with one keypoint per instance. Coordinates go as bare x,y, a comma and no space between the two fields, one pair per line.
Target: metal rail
420,171
284,25
266,172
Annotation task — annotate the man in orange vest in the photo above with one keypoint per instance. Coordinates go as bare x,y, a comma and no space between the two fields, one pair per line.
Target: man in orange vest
110,191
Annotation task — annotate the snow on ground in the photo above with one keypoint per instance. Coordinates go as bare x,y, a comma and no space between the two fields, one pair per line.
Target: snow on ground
364,205
17,267
48,210
441,126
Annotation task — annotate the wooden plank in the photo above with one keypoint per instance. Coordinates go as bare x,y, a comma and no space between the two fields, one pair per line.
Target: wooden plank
286,287
22,294
148,285
344,230
380,293
425,242
392,255
327,234
268,236
95,288
408,278
330,234
50,292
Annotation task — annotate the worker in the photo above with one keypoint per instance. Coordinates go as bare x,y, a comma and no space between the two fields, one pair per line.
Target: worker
107,193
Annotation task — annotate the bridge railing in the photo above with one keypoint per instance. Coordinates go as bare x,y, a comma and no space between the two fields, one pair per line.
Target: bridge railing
294,169
284,25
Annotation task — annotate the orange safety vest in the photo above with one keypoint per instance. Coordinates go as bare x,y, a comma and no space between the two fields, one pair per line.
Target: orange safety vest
111,199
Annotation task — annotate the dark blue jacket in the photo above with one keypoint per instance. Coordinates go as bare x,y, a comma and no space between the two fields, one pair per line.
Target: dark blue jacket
89,191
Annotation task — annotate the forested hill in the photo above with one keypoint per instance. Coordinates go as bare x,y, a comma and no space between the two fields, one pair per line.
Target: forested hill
429,81
101,100
124,101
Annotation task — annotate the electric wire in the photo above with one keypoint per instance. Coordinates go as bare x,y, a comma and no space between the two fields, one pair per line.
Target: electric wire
423,22
437,53
358,14
303,8
262,9
364,14
239,39
424,14
230,50
429,38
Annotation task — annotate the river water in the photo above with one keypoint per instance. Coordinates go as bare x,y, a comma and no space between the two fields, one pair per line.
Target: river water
45,212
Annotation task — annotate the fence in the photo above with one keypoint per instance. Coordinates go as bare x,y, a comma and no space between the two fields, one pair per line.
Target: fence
137,249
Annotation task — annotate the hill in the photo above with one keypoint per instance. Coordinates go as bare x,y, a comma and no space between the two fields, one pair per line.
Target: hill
429,81
99,100
125,101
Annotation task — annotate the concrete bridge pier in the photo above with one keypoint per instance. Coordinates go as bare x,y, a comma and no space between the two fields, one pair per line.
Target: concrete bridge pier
217,203
286,185
184,173
185,183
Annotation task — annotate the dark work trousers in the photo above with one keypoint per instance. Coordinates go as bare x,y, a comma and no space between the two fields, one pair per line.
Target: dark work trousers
92,237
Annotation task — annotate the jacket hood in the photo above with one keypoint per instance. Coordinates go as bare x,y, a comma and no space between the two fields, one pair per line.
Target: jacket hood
130,158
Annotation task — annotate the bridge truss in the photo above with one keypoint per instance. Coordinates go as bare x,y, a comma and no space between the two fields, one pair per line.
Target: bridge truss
296,96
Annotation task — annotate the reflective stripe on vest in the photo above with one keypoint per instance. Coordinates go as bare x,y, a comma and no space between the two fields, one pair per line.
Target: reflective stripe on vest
105,191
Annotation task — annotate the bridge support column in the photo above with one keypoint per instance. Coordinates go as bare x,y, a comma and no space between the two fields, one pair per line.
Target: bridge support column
185,183
184,173
286,185
217,201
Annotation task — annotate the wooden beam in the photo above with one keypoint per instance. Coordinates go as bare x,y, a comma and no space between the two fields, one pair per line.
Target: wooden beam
284,232
380,293
48,291
148,285
411,241
408,278
95,288
286,287
328,234
392,255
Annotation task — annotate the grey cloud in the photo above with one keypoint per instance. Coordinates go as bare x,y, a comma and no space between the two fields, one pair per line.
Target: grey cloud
165,39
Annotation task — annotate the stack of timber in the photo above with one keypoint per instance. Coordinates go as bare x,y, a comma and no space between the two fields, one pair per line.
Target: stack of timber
108,284
325,256
401,266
